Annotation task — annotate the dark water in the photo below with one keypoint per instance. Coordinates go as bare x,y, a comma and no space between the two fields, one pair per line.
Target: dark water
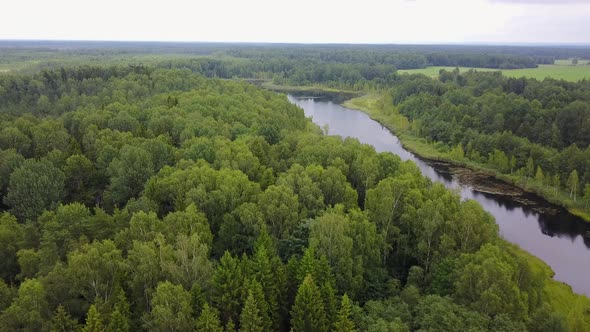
556,237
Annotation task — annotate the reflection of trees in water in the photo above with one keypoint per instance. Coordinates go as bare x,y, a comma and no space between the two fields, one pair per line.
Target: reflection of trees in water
565,224
561,223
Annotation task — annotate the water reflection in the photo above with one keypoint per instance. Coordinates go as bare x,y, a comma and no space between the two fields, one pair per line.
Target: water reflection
548,232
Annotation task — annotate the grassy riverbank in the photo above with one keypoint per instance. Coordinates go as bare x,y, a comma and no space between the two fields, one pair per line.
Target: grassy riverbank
574,307
306,88
383,111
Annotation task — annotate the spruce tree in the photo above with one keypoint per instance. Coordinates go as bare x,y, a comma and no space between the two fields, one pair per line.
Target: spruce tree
197,299
263,306
227,287
308,314
343,322
230,326
120,316
329,300
208,321
251,318
267,269
93,321
62,321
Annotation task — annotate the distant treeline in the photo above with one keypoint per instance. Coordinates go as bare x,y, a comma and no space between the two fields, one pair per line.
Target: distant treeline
286,63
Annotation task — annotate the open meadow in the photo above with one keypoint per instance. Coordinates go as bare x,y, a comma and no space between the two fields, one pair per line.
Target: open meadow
562,69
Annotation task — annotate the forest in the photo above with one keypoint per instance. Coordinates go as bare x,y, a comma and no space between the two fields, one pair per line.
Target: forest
535,132
148,198
147,188
359,67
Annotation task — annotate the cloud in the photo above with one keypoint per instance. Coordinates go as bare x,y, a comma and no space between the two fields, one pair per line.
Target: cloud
543,2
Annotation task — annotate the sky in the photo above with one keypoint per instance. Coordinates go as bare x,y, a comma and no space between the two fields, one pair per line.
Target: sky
300,21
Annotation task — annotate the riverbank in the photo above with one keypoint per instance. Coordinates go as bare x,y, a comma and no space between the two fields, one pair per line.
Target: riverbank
574,307
530,238
384,112
308,88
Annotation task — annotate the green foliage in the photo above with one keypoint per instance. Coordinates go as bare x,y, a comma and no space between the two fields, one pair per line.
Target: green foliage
227,285
94,321
308,313
208,321
194,203
96,268
435,313
34,187
6,295
128,173
119,320
62,321
251,318
489,280
343,322
12,238
279,206
171,309
29,310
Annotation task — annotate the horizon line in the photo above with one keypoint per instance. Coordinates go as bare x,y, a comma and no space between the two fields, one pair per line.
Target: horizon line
418,43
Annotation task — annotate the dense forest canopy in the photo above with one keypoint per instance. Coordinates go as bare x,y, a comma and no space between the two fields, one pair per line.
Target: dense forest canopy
337,65
145,198
534,129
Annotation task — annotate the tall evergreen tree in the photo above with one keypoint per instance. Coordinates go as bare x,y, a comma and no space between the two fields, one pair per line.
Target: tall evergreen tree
208,321
268,270
343,322
93,321
120,316
308,314
329,300
251,318
62,321
227,287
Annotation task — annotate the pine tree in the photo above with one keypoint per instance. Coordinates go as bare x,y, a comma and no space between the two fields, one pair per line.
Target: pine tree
266,270
230,326
208,320
120,316
197,299
227,287
329,299
343,322
118,323
263,306
62,321
306,264
307,314
251,318
93,321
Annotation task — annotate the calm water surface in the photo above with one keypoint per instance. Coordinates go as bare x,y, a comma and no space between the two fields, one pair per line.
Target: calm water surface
557,238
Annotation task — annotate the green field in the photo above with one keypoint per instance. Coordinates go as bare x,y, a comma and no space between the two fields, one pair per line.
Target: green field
434,70
561,70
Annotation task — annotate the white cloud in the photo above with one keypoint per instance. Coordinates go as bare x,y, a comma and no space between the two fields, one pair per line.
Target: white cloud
368,21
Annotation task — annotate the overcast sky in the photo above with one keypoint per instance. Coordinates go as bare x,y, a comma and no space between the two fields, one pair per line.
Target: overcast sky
306,21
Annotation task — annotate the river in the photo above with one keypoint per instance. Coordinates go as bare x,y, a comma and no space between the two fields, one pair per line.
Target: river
546,231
